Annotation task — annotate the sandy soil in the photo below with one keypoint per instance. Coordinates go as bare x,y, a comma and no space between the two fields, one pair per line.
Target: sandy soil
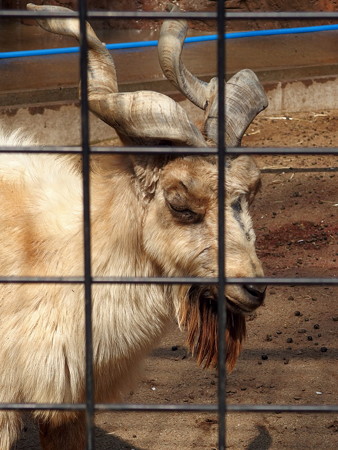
290,356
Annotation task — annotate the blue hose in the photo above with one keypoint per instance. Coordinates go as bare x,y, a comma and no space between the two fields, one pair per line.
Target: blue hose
140,44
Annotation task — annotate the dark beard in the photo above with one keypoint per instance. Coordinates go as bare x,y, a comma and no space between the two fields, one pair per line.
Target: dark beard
199,317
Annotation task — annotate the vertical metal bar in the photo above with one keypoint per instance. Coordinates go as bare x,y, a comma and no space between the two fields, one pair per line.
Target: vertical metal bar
86,226
221,226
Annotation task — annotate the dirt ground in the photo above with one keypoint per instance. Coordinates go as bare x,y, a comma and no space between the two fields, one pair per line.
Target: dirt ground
290,356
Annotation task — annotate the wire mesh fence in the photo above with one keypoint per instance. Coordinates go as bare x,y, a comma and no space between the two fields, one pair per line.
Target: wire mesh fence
88,280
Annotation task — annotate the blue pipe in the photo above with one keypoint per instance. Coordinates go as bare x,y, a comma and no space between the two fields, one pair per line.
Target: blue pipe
140,44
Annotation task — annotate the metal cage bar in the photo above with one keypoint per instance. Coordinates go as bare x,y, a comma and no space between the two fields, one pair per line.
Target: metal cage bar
89,385
293,15
221,227
176,150
87,280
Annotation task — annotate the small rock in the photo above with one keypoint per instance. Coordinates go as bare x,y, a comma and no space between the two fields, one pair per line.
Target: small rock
333,426
302,330
316,326
309,338
264,357
289,340
323,349
174,348
298,313
335,318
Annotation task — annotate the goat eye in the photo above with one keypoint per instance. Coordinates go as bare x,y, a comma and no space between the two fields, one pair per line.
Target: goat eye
183,214
237,205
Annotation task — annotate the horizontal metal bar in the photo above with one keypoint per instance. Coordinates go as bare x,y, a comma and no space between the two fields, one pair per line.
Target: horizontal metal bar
17,13
187,280
42,280
191,15
282,150
299,170
188,408
107,280
159,15
293,15
279,281
137,15
172,280
310,409
228,150
43,406
155,280
156,150
32,149
173,150
214,408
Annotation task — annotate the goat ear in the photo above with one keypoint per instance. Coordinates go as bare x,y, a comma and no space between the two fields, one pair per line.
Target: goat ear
146,171
245,176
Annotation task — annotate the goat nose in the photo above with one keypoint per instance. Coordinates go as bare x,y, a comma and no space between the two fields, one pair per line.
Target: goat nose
256,291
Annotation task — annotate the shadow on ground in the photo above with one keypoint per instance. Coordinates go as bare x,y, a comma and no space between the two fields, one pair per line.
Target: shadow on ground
262,441
103,441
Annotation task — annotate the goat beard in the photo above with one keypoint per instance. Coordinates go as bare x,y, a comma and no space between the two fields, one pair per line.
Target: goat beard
198,315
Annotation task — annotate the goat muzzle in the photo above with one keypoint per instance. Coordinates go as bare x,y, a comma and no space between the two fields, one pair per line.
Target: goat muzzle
256,292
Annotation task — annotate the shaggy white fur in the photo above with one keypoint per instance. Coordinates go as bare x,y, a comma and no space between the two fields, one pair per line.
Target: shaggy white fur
159,222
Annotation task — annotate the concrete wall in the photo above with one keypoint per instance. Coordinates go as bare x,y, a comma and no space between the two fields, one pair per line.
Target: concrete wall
316,94
57,123
309,89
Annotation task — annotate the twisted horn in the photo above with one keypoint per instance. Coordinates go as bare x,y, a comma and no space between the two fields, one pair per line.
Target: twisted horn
101,69
141,118
170,45
244,99
244,94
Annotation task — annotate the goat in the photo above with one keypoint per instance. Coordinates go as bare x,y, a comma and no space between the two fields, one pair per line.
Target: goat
151,216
